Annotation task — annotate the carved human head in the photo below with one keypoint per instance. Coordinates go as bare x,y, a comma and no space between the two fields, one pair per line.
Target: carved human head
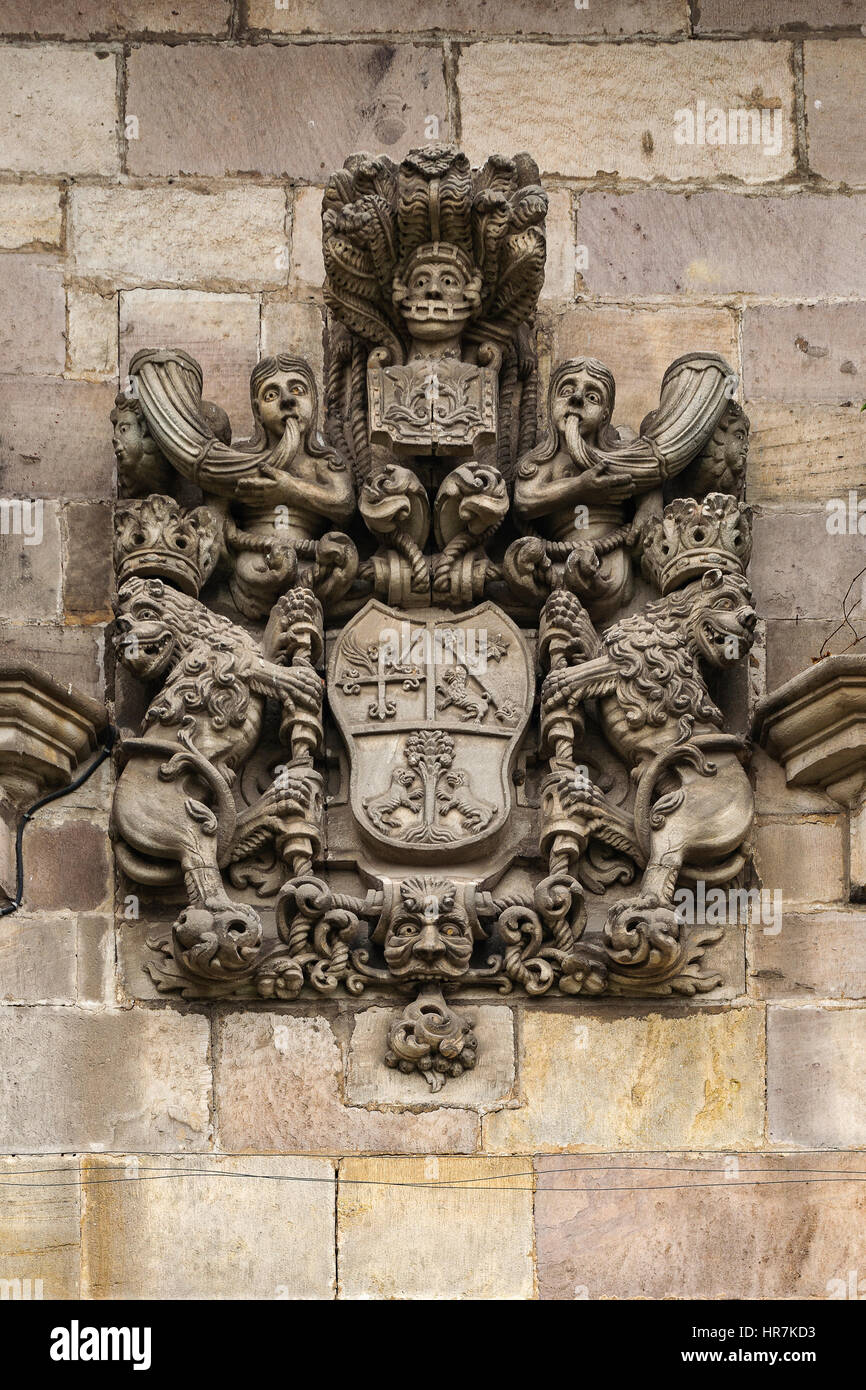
582,389
438,291
283,388
429,936
722,465
141,468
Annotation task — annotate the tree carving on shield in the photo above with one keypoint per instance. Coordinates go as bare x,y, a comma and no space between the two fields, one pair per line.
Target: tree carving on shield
435,669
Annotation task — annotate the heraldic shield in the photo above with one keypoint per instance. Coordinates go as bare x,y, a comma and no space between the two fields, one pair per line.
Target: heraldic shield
432,710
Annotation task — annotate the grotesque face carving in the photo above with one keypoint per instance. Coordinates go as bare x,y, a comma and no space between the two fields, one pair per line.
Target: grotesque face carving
723,620
283,396
144,641
439,294
579,395
429,936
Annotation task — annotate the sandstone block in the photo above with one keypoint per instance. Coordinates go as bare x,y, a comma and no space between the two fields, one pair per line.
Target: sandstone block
66,865
32,315
29,215
345,97
639,345
88,575
296,327
491,1080
221,331
390,1237
83,1079
95,953
279,1088
697,1226
209,1228
561,261
57,110
112,19
835,87
91,349
55,438
565,104
37,959
308,267
30,576
804,353
72,655
794,643
39,1228
816,1090
771,16
801,453
557,17
655,242
611,1081
787,582
805,860
816,955
231,239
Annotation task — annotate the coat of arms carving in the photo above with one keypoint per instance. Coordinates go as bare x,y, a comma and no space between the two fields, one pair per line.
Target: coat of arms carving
433,658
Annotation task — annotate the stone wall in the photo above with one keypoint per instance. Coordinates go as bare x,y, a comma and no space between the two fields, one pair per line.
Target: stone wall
162,170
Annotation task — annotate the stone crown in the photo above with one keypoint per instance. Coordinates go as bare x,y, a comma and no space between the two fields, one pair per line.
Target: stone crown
692,537
156,538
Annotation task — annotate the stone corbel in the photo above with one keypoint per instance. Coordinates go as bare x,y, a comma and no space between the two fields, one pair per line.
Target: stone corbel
815,726
46,730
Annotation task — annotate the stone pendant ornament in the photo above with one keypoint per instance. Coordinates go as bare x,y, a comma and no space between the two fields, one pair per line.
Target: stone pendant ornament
429,710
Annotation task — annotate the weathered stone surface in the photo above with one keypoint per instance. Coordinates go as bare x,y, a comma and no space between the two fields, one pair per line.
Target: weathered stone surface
66,866
773,794
29,215
390,1237
279,1082
54,439
87,575
804,860
774,16
30,576
344,97
111,19
73,656
557,17
191,1235
83,1079
835,77
816,1088
95,953
39,1228
636,1082
741,1227
130,236
794,644
565,103
786,581
221,331
803,453
37,959
655,242
816,955
804,352
639,344
57,111
559,269
32,315
289,326
369,1082
308,267
91,319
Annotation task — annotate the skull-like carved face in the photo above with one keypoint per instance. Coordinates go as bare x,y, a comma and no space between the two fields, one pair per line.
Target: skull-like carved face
429,936
439,293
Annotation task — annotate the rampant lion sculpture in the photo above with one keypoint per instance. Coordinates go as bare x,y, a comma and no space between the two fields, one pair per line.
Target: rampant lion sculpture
174,814
694,807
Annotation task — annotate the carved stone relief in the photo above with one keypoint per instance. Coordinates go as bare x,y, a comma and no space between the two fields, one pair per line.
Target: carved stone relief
427,665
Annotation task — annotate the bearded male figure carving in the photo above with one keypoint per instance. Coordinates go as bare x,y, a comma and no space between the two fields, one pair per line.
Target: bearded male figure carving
277,492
